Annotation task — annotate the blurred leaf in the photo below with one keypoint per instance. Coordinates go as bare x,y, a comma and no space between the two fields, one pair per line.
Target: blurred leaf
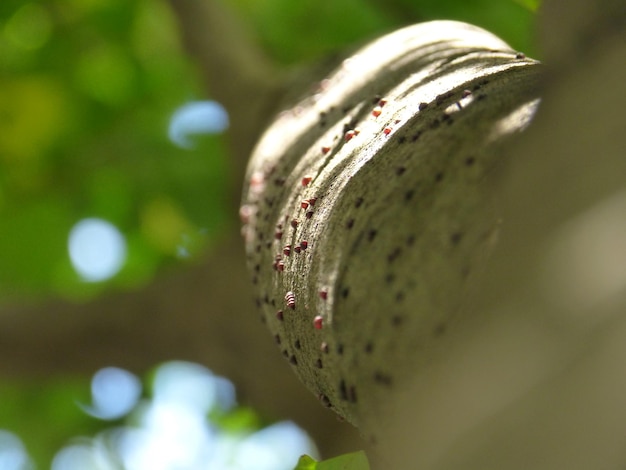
532,5
353,461
306,463
33,240
106,74
297,32
238,420
34,113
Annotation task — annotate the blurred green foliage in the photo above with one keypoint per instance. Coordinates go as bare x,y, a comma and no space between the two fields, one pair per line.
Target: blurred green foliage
352,461
309,29
86,92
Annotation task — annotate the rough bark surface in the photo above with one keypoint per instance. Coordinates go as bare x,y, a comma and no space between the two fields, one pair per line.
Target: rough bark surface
361,202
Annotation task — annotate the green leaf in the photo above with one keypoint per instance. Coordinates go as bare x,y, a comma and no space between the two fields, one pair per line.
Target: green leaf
532,5
306,463
353,461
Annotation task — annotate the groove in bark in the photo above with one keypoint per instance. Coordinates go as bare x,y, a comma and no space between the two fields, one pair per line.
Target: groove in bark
360,207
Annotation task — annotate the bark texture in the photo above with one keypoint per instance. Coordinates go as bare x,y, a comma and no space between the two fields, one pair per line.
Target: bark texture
533,377
361,206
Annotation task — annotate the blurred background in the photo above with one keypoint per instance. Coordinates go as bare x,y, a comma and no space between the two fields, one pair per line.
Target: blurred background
128,337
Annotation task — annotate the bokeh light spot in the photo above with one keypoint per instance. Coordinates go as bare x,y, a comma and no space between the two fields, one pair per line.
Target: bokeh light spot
276,447
80,457
97,249
114,393
198,117
13,455
192,385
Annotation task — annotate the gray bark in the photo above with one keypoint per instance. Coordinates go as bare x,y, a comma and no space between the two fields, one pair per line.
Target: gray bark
400,145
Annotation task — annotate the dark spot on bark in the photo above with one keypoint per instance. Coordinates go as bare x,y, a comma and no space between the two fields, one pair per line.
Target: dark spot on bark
358,202
352,394
371,235
389,278
481,97
263,319
455,238
416,136
401,139
293,360
400,170
391,257
279,181
309,214
319,364
273,302
257,268
439,99
345,292
297,344
369,347
285,353
439,177
340,349
255,280
435,124
439,329
277,338
325,400
343,390
469,161
258,302
349,223
383,379
409,195
410,240
376,99
397,320
400,296
422,106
